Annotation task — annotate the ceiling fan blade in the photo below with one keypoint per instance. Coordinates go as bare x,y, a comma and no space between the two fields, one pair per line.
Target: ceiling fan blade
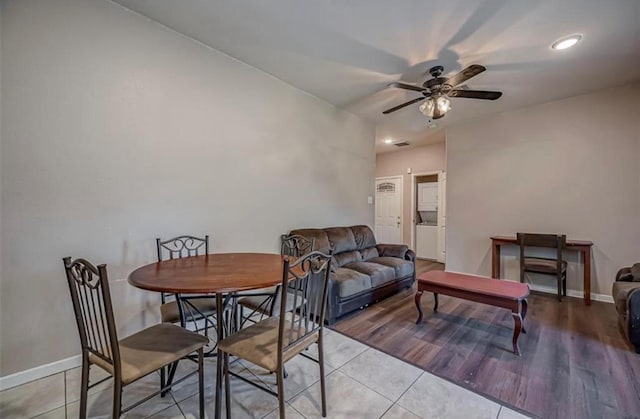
407,86
395,108
475,94
464,75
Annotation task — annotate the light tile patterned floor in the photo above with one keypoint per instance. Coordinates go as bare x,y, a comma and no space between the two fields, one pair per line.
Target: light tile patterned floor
361,383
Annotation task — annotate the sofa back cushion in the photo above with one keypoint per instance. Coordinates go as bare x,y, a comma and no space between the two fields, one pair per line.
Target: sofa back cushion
341,259
364,237
369,253
321,240
341,239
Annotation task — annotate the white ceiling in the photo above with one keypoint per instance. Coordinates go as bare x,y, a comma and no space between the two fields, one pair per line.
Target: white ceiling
347,52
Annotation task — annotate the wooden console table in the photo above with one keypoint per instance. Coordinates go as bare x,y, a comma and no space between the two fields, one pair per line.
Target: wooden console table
582,246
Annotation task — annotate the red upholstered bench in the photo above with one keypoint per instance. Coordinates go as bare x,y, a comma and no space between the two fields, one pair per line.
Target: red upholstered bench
505,294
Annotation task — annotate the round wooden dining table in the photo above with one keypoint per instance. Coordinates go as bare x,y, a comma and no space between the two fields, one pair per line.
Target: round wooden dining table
222,274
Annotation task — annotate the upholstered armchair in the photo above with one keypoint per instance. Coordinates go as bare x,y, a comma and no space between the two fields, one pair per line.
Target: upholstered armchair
626,296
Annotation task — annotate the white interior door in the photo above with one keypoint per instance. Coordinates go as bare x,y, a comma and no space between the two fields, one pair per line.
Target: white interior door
389,210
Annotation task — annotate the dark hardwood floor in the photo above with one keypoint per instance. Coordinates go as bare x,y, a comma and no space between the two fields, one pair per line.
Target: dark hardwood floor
574,363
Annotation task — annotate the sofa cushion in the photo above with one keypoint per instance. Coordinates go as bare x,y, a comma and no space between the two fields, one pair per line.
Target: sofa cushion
351,282
341,239
364,236
369,253
321,240
403,268
393,250
620,292
379,274
341,259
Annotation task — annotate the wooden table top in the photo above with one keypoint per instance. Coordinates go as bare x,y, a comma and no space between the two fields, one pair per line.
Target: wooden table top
212,273
476,284
513,239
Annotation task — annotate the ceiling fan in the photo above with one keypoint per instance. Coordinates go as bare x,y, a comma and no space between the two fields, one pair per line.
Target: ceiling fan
437,90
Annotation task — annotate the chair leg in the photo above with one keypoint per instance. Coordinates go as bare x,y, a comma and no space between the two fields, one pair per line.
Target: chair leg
117,397
564,286
84,386
227,387
163,380
281,395
560,289
201,381
323,390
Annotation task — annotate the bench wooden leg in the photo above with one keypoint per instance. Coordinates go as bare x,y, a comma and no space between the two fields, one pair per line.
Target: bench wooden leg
525,305
418,306
516,331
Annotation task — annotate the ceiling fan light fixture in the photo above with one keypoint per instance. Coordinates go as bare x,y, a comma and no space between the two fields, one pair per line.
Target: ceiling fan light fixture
435,107
566,42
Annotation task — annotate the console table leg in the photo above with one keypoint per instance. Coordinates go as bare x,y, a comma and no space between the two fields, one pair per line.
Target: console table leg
525,306
516,332
435,304
418,306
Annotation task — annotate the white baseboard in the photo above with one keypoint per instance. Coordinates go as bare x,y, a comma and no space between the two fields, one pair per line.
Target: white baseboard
42,371
572,293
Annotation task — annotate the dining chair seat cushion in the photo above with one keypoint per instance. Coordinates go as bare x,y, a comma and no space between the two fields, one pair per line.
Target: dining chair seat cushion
541,265
151,349
258,343
170,313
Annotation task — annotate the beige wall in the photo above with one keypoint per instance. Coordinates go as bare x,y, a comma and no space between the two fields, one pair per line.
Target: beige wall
569,166
116,130
429,158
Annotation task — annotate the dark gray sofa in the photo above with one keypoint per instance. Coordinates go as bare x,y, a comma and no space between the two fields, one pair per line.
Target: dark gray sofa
363,272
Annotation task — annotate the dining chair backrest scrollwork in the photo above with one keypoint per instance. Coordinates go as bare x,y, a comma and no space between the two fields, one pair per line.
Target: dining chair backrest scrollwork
182,246
296,245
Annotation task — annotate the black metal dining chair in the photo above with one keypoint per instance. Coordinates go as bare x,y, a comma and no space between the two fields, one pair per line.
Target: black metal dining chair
266,302
271,342
131,358
196,312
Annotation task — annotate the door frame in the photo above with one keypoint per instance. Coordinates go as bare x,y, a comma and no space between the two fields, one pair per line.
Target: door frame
375,205
414,203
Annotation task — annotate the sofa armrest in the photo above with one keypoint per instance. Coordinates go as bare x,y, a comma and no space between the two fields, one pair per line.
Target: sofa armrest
392,250
410,255
633,318
623,272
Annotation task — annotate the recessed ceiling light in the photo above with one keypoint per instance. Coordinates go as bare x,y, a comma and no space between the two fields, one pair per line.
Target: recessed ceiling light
566,42
388,141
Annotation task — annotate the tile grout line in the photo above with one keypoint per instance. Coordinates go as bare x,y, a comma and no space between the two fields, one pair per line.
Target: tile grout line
375,391
404,392
499,410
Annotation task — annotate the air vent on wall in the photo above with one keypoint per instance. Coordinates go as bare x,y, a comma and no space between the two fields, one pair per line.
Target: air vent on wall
401,144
